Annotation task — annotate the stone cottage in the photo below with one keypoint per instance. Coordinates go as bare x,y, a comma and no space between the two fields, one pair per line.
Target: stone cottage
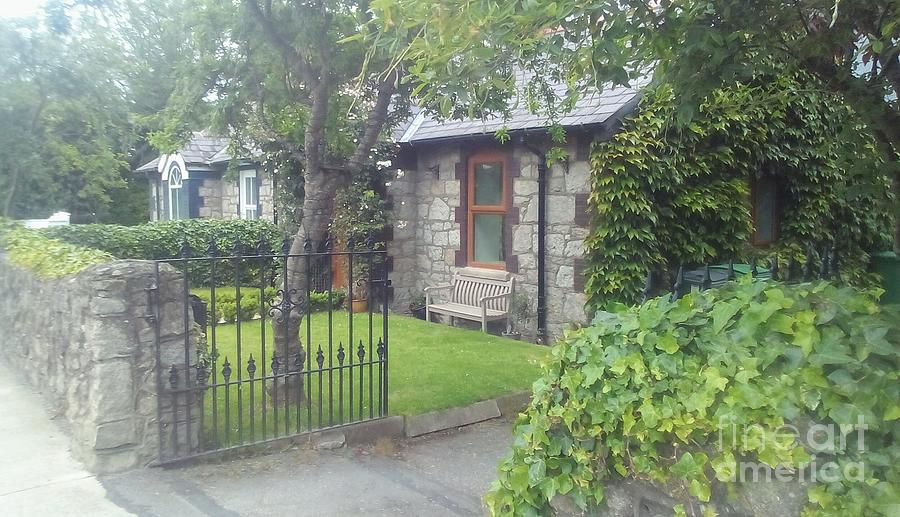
202,180
462,199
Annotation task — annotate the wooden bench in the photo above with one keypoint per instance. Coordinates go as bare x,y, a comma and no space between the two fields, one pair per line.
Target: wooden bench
476,294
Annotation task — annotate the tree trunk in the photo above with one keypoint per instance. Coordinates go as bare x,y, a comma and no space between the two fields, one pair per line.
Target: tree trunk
320,188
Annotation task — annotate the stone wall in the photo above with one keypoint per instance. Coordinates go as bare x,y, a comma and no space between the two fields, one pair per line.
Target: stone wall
211,198
88,343
230,198
427,235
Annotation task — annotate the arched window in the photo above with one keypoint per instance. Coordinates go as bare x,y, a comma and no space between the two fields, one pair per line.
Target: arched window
177,197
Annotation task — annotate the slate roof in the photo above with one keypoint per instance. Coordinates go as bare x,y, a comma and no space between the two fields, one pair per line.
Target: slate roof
592,108
201,149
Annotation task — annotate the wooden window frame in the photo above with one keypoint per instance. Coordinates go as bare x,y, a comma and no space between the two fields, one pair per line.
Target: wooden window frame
472,209
776,211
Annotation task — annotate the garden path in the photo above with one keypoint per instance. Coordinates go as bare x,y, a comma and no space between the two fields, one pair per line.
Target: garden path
440,474
38,475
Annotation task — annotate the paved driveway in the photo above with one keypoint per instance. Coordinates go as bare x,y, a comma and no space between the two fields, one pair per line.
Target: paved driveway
440,474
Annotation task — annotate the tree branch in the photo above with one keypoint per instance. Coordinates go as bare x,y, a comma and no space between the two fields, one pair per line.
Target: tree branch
374,121
295,57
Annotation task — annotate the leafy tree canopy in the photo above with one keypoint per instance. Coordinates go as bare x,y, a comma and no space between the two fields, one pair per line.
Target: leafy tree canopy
78,89
463,53
292,82
694,45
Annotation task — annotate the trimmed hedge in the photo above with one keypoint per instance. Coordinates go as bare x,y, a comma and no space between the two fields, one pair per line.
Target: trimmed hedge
46,257
651,393
164,239
226,302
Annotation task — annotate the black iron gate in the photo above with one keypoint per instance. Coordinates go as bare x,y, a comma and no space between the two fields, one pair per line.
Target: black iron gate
226,375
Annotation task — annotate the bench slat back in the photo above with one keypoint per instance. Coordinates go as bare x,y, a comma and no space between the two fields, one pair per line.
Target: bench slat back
468,289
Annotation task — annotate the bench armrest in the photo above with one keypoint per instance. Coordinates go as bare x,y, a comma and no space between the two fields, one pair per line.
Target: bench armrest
431,289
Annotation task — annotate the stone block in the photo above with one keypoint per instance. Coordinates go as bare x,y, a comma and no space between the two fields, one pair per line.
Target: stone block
514,403
522,238
578,178
369,432
560,209
574,248
439,210
524,187
556,244
107,306
573,306
109,337
110,394
565,277
114,434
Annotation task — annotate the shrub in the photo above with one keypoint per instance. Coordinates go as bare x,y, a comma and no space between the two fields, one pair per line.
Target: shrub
48,258
226,302
164,239
643,392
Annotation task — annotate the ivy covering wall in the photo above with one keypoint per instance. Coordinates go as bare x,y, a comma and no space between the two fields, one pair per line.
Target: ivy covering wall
666,193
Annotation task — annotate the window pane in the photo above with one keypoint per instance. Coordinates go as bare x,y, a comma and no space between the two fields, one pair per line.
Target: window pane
765,210
488,240
248,191
176,203
489,183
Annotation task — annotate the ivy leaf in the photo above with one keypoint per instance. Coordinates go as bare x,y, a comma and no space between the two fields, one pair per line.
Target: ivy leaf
536,472
689,466
782,323
725,466
892,413
700,489
667,343
722,314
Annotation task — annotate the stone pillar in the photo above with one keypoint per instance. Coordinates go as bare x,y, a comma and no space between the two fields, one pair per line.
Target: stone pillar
402,248
88,342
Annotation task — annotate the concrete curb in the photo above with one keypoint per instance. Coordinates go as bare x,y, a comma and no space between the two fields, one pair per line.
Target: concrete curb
426,423
505,406
391,427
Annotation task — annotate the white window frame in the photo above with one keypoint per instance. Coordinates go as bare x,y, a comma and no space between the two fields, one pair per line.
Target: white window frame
175,173
248,210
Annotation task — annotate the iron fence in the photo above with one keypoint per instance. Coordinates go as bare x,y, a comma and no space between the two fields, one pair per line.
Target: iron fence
271,355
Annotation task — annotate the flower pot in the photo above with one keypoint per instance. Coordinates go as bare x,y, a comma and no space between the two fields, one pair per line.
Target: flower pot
359,305
418,312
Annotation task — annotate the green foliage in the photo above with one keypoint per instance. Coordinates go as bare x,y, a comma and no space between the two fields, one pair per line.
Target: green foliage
463,53
163,240
48,258
78,89
663,195
645,391
226,302
359,210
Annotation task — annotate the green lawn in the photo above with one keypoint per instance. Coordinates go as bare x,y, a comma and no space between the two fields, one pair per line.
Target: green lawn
432,366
